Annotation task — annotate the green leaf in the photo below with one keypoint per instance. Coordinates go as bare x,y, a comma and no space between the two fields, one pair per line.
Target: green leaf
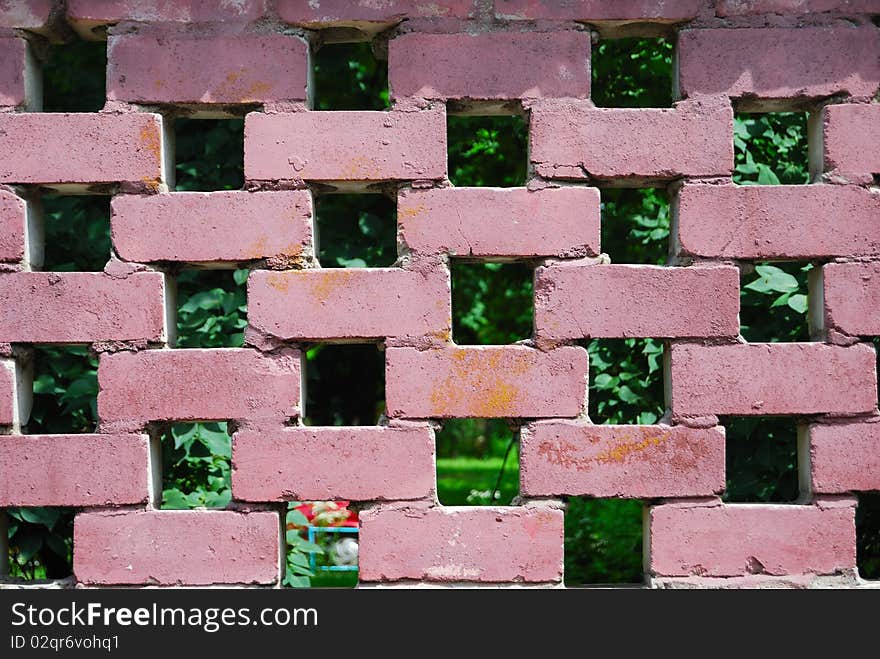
772,279
28,546
766,176
43,516
174,499
798,303
297,582
240,276
296,518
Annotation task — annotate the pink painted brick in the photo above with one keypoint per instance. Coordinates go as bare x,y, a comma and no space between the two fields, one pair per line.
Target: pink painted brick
354,12
212,226
97,148
844,457
325,463
500,221
14,83
485,382
461,544
350,303
572,139
235,68
851,141
81,307
773,378
176,547
88,14
73,470
579,459
574,301
851,295
736,540
779,63
796,7
13,216
777,221
197,384
345,146
599,10
25,14
8,394
490,65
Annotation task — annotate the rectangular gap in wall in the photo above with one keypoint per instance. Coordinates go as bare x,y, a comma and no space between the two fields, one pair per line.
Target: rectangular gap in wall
322,545
603,542
774,304
75,77
344,385
356,230
477,462
868,535
632,73
211,308
65,388
208,154
76,233
196,463
626,381
771,148
487,151
40,542
762,459
635,225
349,76
492,303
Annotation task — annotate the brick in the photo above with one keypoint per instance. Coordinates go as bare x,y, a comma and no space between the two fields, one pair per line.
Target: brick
176,547
631,461
684,302
325,463
205,227
97,148
345,146
18,85
571,139
773,378
599,10
197,385
86,15
851,297
500,222
850,136
73,470
794,7
13,218
777,221
490,65
779,63
30,15
350,303
8,394
461,544
844,457
356,12
81,307
736,540
485,382
236,68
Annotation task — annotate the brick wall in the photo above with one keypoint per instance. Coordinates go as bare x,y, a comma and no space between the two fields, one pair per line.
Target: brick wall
252,59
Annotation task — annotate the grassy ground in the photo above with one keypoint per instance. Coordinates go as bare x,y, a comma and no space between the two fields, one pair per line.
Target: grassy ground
457,478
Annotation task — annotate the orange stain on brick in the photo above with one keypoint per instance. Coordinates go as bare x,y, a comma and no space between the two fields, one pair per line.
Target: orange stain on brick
566,454
323,284
280,282
490,392
411,212
151,141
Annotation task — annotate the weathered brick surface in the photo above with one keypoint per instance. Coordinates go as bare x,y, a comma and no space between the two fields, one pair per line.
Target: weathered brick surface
317,463
86,14
73,470
13,215
571,139
345,146
492,65
598,10
777,221
737,540
208,547
212,226
461,544
851,295
485,381
797,7
13,74
571,458
81,307
501,222
850,137
782,63
844,457
773,378
240,68
348,12
30,15
684,301
8,394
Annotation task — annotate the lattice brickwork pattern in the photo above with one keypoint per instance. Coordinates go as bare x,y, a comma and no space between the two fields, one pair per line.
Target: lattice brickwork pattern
222,57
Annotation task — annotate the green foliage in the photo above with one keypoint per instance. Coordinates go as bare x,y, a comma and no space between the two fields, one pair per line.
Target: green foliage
209,154
212,308
492,303
347,76
487,151
635,225
627,381
356,231
345,385
868,535
40,542
65,391
771,149
76,233
761,459
632,73
196,466
603,541
773,303
74,77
